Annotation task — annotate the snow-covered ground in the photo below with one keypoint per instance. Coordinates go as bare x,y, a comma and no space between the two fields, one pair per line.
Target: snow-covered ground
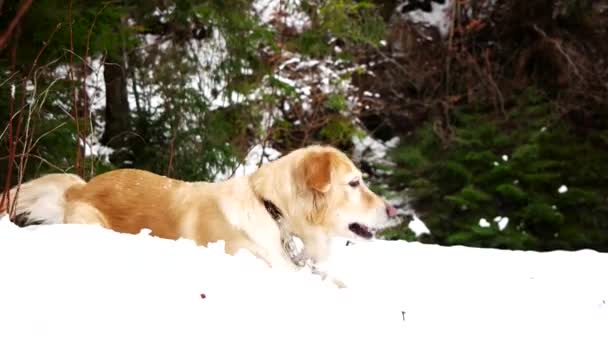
84,283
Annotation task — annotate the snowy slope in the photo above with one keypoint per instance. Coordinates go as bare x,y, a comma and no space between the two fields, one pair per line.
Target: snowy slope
85,283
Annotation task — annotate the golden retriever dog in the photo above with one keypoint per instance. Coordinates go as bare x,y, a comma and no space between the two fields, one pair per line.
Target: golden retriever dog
313,193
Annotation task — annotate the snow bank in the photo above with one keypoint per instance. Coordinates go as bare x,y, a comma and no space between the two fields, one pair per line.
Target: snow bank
85,283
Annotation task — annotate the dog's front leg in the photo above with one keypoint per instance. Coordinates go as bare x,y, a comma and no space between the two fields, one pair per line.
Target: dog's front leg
317,248
280,261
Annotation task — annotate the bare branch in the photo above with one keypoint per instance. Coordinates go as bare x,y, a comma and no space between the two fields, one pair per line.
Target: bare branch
6,35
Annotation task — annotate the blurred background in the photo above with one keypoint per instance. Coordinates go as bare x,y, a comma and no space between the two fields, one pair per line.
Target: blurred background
484,121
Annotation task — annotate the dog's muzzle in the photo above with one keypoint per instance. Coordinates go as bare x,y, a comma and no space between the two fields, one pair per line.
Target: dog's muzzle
361,230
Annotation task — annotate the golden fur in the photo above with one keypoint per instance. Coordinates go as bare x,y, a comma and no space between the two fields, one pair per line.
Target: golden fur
318,190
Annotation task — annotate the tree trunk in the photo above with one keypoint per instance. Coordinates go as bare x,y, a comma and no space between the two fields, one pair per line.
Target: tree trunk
117,103
118,130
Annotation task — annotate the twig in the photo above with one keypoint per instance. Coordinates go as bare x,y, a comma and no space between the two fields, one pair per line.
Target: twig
13,137
6,35
79,166
559,48
28,145
84,85
501,100
10,77
6,197
7,126
39,54
56,167
448,62
22,159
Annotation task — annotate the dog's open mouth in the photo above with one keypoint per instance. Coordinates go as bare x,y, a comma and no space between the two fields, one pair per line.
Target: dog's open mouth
361,230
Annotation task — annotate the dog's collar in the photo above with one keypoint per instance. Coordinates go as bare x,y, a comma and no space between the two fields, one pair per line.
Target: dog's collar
273,210
296,255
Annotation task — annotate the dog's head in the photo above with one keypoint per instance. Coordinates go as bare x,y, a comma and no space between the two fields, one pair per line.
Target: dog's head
321,191
335,195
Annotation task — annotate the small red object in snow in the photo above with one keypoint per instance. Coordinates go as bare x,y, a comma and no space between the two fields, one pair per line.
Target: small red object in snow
203,296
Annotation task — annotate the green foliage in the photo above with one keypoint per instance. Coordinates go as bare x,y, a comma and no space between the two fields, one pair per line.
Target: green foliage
469,198
400,232
339,131
352,20
489,170
355,22
311,43
336,103
171,126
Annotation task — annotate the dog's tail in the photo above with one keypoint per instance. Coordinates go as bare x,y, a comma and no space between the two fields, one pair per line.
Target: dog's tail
41,200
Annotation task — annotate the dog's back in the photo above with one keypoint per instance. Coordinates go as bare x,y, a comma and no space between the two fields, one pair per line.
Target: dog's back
128,200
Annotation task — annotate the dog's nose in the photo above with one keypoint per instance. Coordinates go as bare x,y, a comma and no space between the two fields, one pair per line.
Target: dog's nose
390,211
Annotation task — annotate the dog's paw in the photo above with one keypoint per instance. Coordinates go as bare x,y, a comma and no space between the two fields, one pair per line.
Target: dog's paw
335,281
339,283
326,277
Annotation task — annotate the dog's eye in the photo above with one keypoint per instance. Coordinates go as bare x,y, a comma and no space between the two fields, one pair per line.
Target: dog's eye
354,183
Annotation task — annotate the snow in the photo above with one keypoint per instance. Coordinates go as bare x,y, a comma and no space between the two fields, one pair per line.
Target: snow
483,223
562,189
308,76
95,85
93,148
502,222
417,226
440,17
372,150
285,80
77,282
287,12
163,14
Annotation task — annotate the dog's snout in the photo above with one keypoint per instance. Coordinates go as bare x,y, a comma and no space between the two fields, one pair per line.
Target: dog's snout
390,210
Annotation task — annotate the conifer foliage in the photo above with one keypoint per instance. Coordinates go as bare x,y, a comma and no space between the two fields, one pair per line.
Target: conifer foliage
176,87
504,126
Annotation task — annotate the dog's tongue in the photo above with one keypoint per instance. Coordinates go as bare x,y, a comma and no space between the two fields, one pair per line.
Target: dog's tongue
361,230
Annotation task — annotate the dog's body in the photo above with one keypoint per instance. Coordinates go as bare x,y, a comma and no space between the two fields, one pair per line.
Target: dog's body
313,193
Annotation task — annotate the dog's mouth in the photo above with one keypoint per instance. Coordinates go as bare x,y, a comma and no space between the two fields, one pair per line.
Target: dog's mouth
361,230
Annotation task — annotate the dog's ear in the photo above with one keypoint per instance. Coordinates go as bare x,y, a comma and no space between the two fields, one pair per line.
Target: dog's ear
315,171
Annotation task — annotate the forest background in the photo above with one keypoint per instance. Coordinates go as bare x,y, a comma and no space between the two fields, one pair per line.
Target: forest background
486,119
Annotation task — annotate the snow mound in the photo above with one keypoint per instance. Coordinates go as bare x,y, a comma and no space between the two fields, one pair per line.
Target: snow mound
86,283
